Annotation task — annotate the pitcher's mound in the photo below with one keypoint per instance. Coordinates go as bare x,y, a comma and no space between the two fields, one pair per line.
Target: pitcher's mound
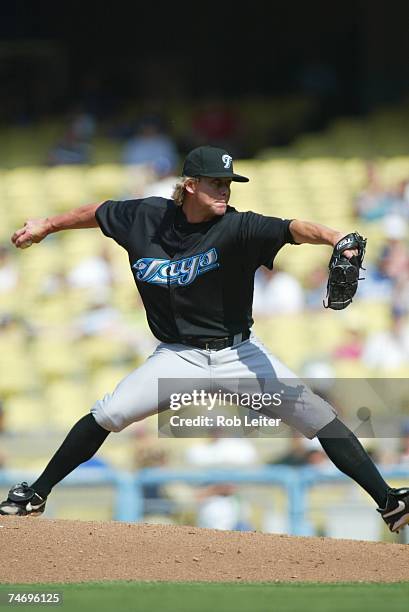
43,550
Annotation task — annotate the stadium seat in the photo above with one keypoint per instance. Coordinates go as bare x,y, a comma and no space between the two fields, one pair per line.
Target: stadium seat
67,402
57,357
26,413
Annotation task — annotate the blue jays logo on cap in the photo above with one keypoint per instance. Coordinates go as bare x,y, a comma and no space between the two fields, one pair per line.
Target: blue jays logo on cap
227,160
213,162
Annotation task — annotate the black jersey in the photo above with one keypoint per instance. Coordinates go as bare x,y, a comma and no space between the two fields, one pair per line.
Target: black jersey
195,279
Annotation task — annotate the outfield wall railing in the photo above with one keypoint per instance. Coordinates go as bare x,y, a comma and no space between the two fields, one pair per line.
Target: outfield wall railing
129,499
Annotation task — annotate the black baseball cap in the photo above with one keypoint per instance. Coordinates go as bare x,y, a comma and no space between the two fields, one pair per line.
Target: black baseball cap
211,161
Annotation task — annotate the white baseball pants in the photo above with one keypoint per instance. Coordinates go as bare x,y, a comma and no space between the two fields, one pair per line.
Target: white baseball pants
136,396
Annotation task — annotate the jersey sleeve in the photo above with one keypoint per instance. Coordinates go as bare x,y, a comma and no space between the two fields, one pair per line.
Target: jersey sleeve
262,237
116,219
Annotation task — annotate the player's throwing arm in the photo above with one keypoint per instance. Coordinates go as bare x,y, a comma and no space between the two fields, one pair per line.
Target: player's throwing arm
35,230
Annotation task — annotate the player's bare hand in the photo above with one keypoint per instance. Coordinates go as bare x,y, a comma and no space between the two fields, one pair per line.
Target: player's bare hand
33,231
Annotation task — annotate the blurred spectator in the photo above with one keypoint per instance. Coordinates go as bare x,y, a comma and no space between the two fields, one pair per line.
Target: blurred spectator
377,286
8,271
294,455
301,452
219,505
372,202
392,264
222,508
317,458
83,125
163,182
99,318
150,146
375,202
148,454
399,204
389,349
276,292
316,287
222,451
75,146
103,320
352,345
69,150
400,294
95,273
394,257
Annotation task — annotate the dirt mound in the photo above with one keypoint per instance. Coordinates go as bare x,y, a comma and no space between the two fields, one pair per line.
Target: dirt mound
43,550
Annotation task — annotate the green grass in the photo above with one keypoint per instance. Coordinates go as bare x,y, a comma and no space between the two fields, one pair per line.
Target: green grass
219,597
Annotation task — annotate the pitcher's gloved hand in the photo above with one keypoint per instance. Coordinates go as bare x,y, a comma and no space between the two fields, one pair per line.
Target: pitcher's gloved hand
344,271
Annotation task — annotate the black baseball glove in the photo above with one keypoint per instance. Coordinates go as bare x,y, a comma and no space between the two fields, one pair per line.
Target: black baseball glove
343,272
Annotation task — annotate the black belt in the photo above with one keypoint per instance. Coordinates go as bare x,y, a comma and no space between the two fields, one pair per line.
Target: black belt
216,344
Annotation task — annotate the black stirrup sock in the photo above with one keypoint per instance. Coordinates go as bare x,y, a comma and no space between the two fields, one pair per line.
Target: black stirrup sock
347,453
81,443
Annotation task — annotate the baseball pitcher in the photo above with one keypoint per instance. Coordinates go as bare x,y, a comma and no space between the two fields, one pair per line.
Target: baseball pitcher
193,260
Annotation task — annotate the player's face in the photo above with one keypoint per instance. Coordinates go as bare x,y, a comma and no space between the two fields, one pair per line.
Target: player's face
212,195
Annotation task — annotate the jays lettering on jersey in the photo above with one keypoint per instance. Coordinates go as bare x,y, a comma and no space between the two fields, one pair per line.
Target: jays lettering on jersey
181,272
195,279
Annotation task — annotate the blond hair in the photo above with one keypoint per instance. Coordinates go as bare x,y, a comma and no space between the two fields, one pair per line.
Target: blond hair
178,194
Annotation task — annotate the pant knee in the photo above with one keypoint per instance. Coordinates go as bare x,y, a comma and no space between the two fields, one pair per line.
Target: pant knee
107,416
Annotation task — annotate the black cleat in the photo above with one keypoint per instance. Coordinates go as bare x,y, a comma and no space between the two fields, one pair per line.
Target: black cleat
22,500
396,512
